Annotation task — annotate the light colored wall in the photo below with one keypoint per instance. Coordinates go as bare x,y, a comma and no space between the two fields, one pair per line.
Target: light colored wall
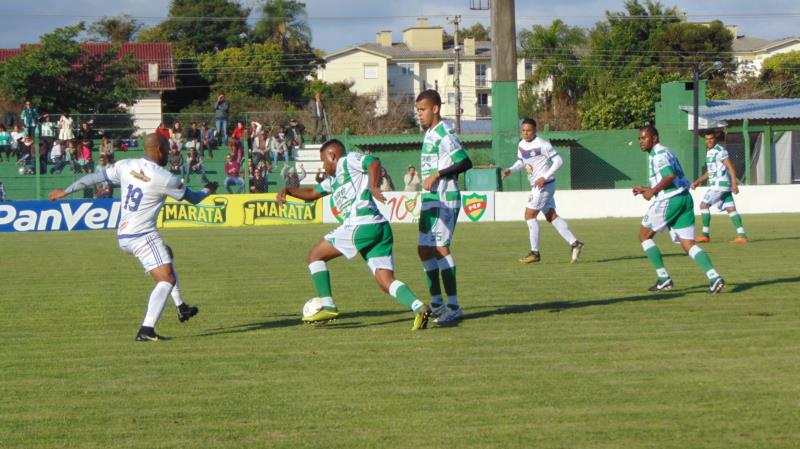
350,67
147,112
423,38
754,61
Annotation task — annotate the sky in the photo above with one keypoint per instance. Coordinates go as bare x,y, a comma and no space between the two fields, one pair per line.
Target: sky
338,24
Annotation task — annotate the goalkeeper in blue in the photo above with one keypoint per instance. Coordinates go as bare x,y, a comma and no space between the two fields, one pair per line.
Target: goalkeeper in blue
354,182
145,187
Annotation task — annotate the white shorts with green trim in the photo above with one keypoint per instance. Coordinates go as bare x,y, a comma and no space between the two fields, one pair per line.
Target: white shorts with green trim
374,242
723,199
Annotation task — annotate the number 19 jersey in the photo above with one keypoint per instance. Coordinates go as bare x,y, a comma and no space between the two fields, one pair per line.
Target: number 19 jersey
145,187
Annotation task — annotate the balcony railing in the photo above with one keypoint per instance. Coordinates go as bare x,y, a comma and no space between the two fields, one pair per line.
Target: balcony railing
481,81
483,111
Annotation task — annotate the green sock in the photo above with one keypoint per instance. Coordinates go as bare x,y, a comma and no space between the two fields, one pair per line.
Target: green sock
404,295
447,266
737,223
321,278
432,279
703,261
705,214
654,256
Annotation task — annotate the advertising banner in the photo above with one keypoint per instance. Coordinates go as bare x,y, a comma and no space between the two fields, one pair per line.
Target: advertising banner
405,207
70,215
238,210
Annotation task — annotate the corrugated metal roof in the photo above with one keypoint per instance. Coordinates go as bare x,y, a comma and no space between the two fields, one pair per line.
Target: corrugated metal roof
147,53
774,108
416,139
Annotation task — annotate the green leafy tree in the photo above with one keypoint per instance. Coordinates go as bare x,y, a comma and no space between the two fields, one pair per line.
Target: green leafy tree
554,50
780,74
283,22
681,46
476,31
202,26
256,70
116,30
58,75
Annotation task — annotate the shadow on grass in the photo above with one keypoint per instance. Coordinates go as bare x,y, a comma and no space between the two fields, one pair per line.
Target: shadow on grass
294,320
744,286
639,257
774,239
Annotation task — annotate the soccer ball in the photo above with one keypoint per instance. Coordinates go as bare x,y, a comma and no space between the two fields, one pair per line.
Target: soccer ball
311,307
22,170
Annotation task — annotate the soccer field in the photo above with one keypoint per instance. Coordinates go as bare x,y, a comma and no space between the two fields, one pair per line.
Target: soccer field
548,356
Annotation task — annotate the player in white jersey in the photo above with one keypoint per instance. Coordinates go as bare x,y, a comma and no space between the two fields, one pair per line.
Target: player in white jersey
354,183
541,161
442,159
145,187
722,182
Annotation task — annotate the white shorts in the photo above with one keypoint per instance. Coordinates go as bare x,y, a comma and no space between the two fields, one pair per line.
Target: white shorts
542,199
150,249
373,241
437,226
722,199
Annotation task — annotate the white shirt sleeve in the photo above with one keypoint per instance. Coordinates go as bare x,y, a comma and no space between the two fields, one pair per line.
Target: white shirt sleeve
175,188
517,166
112,173
557,162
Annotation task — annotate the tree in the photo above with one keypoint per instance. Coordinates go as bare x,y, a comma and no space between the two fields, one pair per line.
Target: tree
202,26
476,31
554,50
780,74
255,70
284,22
681,46
58,75
116,30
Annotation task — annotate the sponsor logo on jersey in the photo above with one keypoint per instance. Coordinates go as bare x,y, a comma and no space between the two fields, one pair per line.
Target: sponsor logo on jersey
474,206
140,175
195,213
271,209
337,214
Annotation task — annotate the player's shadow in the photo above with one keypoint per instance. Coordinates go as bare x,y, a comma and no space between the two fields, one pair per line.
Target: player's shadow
744,286
639,257
558,306
774,239
294,320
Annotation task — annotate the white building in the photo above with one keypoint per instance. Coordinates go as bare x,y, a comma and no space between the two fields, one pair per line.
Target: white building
391,71
750,52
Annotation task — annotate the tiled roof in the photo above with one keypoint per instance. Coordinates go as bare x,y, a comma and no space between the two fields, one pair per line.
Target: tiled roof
748,44
483,50
776,108
147,53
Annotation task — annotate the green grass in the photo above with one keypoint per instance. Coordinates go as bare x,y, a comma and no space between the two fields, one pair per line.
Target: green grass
550,356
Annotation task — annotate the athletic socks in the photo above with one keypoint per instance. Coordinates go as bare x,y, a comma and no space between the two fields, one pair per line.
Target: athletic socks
321,278
533,233
654,256
177,297
405,296
701,259
705,214
737,223
158,299
447,266
563,228
431,267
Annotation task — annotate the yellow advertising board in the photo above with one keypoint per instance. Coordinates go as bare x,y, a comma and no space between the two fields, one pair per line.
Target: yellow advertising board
238,210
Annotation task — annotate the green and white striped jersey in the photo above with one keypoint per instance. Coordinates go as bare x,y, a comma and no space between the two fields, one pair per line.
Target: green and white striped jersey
661,163
718,176
441,149
349,188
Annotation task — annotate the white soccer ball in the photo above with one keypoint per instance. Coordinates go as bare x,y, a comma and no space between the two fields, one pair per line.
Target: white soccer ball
311,307
22,170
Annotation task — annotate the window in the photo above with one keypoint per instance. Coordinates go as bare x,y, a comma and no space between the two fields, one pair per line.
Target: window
370,71
480,75
451,69
406,69
483,99
451,98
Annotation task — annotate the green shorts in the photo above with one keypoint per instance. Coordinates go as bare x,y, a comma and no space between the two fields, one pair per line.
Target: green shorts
672,213
375,243
436,226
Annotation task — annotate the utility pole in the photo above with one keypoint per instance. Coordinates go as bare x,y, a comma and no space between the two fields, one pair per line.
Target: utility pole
505,113
457,73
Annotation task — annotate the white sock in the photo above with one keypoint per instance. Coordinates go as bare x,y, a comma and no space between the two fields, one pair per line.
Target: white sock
158,299
563,228
533,233
177,297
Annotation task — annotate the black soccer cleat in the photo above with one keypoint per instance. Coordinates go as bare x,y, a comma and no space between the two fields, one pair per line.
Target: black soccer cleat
716,285
185,311
661,286
149,334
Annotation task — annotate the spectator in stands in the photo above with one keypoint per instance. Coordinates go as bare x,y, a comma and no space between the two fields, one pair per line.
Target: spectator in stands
107,149
318,109
58,157
2,192
65,127
411,179
47,131
207,141
87,134
238,133
176,135
258,182
103,189
16,138
291,177
386,181
221,109
5,143
232,177
162,130
30,118
72,156
194,133
260,147
25,153
255,130
294,133
320,176
85,161
175,161
195,164
277,146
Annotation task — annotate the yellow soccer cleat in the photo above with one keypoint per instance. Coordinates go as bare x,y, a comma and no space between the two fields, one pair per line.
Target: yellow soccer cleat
421,317
323,315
